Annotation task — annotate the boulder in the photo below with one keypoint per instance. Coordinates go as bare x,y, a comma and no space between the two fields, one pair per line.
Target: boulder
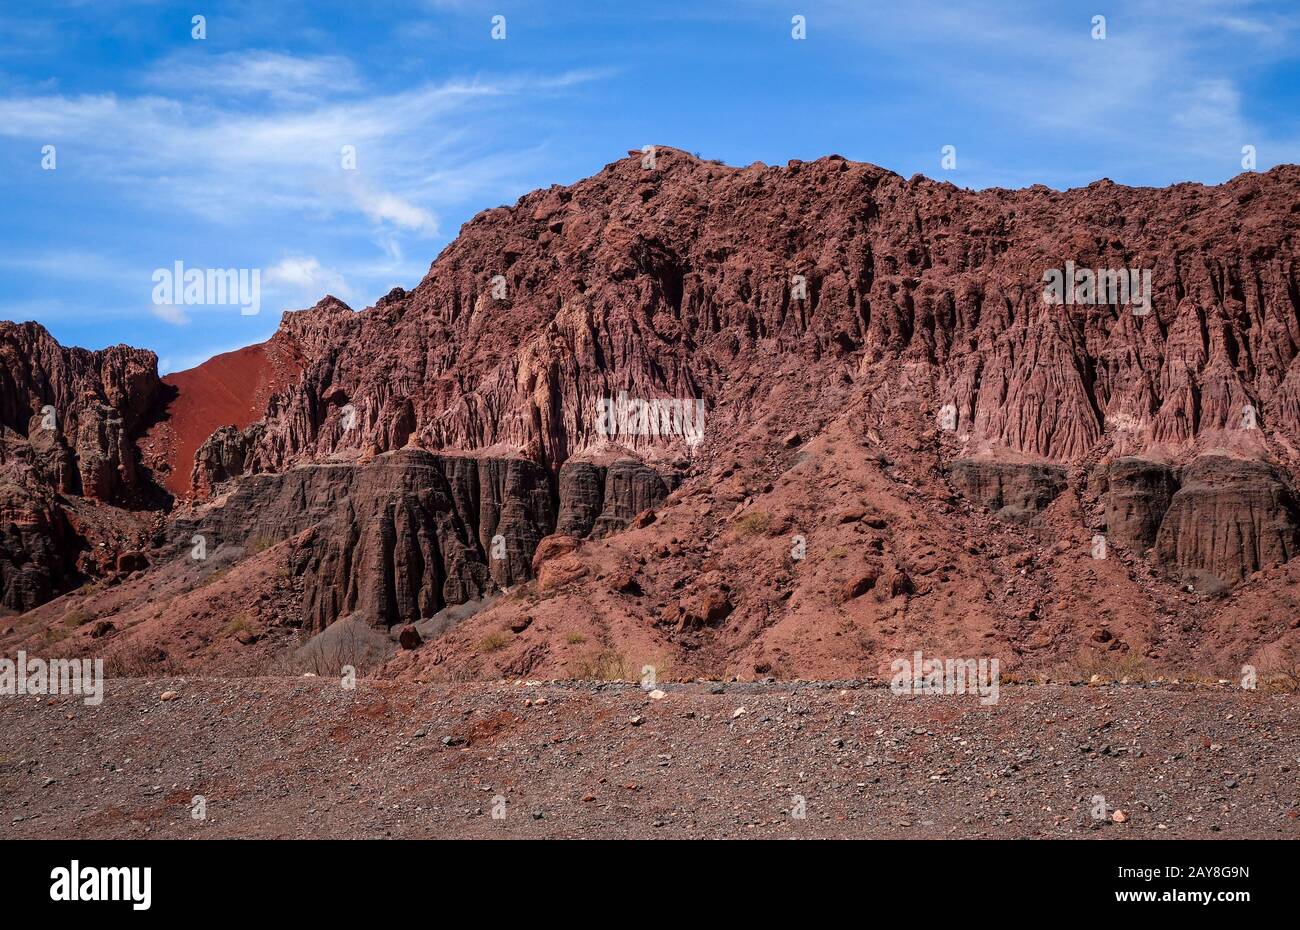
408,637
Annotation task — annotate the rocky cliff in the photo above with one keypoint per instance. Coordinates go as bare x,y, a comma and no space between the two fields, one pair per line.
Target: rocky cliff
399,537
68,423
741,316
81,407
693,280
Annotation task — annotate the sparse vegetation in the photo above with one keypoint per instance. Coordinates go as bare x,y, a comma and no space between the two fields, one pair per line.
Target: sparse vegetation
663,669
135,660
1277,671
494,641
753,523
212,576
76,617
328,656
575,639
1110,665
601,665
1279,682
241,624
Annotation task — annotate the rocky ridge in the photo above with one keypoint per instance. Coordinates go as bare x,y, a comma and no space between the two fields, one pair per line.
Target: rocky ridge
808,306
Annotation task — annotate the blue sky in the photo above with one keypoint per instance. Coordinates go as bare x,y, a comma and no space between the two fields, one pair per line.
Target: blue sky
225,152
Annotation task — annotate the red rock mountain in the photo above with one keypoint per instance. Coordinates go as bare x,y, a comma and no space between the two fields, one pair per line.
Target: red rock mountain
903,444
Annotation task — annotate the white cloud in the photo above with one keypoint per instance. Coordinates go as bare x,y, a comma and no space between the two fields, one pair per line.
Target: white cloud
304,277
231,163
1212,109
170,313
382,207
282,77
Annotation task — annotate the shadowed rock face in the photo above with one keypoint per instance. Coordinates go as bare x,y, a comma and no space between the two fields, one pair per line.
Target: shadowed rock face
396,549
220,458
582,488
1015,491
77,407
395,539
37,546
1228,519
68,419
399,538
105,454
1137,496
630,487
596,500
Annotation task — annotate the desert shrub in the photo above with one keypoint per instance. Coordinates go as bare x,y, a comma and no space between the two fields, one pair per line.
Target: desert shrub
348,642
753,523
136,660
1109,664
663,668
601,665
76,617
608,664
240,624
494,641
215,575
1277,671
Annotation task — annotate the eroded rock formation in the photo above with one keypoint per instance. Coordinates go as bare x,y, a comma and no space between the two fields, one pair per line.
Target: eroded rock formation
37,544
401,536
1016,491
1227,519
597,499
415,454
1137,497
68,419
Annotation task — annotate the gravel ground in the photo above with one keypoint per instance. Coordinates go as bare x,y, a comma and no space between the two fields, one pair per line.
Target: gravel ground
306,758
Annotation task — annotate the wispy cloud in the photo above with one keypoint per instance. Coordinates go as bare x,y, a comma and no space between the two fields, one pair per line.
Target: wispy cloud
171,313
297,164
232,164
1162,88
382,207
74,265
306,280
283,78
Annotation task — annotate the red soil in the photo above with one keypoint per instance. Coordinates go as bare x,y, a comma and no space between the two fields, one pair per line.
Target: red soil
231,389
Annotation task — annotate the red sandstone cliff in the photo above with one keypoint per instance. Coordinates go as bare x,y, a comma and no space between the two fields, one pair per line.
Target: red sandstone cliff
826,314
